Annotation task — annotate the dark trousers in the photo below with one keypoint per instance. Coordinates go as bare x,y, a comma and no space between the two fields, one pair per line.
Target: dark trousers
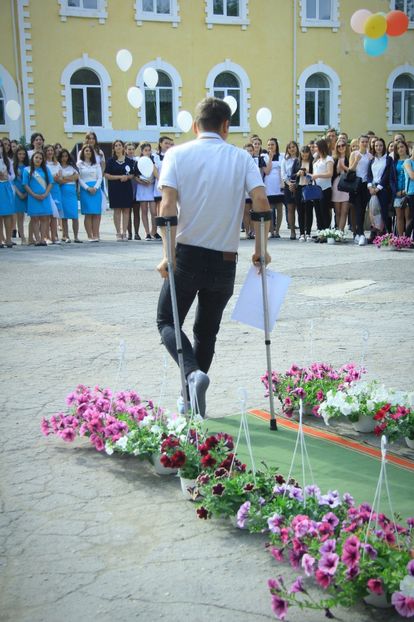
305,212
323,210
360,201
209,275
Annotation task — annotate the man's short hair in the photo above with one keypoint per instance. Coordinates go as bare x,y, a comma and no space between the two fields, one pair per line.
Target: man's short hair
210,114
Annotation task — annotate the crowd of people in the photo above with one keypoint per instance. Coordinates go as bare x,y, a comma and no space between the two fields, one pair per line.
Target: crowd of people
333,180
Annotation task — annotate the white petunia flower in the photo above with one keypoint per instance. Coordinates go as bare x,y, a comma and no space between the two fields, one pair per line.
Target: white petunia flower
407,586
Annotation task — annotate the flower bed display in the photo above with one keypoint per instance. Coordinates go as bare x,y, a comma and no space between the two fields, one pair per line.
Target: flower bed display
348,551
389,240
310,384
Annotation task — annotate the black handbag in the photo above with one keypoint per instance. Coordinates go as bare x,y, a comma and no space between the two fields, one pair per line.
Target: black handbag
349,182
312,192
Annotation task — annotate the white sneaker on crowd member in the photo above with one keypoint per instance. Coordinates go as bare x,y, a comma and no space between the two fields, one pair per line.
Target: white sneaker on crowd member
362,240
302,238
356,239
198,383
309,238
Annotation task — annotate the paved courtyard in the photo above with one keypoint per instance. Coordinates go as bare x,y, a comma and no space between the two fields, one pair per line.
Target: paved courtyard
87,537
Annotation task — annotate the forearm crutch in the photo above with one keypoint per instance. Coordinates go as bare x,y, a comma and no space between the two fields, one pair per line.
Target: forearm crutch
168,222
262,217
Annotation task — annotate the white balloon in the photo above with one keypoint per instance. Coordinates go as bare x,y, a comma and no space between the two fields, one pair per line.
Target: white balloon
184,120
124,59
151,77
13,109
264,117
232,102
145,166
134,96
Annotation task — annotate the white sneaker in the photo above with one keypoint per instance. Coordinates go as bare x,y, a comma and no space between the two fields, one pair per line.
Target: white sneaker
356,239
302,238
362,240
198,383
309,238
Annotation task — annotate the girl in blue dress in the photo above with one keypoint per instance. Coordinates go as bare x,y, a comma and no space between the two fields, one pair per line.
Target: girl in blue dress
20,162
38,181
68,191
90,180
56,170
6,200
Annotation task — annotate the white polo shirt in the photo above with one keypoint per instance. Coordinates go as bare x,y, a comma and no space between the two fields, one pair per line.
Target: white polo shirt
211,178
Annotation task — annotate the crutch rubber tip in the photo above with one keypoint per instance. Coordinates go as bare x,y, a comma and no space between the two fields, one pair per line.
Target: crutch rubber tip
273,424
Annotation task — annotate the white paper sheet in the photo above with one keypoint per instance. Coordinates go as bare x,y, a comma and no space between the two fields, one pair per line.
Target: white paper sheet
249,306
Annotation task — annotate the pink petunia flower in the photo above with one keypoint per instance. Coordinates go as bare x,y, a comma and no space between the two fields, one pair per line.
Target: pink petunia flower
277,554
329,563
297,586
323,578
403,604
308,563
279,607
274,585
375,586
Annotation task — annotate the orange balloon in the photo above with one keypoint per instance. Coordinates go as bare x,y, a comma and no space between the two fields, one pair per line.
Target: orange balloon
397,23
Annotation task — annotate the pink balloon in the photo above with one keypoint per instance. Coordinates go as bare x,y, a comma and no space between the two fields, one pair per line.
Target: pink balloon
358,20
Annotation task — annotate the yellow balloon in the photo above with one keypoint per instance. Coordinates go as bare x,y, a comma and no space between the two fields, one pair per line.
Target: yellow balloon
375,26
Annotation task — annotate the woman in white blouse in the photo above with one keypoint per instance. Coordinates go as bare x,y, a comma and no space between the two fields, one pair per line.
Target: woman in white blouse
90,180
322,175
382,183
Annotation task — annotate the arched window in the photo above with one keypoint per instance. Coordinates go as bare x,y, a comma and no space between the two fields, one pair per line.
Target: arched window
228,78
226,84
86,94
162,103
403,100
317,100
159,110
400,98
2,111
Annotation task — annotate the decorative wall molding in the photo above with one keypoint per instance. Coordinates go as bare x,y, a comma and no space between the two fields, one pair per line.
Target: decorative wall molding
25,37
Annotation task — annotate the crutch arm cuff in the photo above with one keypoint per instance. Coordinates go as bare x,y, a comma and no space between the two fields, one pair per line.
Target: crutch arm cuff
257,216
161,221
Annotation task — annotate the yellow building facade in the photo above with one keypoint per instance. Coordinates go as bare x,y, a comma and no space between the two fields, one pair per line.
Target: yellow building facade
299,58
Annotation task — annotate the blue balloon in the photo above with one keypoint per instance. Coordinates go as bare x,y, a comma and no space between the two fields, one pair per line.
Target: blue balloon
375,47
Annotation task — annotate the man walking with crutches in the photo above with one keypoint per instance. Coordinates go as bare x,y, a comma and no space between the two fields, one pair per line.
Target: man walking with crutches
204,182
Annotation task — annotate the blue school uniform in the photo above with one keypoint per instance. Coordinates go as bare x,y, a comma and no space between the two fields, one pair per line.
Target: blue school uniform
38,183
6,199
69,195
20,205
55,192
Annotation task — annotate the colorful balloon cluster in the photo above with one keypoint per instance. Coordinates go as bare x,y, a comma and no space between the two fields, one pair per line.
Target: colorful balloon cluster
377,27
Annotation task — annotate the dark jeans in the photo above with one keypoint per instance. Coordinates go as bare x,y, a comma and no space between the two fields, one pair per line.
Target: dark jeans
323,209
206,274
360,200
305,212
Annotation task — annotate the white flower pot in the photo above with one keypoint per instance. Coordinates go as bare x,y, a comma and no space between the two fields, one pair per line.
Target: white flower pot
410,442
187,488
377,600
159,468
331,240
364,424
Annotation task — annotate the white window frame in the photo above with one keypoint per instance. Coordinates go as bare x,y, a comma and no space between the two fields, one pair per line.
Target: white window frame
392,8
9,90
333,23
146,16
334,100
398,71
242,20
100,13
86,63
177,84
243,78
